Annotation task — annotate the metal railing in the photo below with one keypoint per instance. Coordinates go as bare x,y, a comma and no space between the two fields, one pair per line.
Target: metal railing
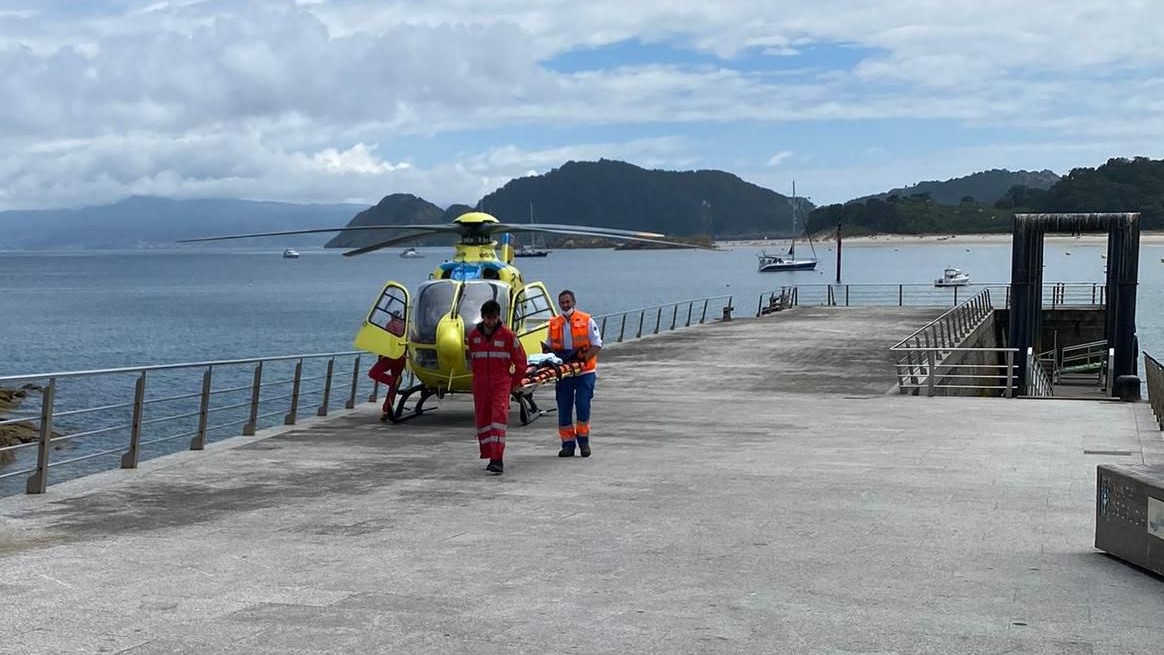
1154,371
128,411
920,295
931,358
143,410
641,321
1038,381
1082,362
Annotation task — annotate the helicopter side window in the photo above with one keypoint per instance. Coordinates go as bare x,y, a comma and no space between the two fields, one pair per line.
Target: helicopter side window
474,294
389,312
433,300
533,310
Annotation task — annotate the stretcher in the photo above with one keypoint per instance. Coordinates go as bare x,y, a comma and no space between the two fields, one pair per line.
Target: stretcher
541,370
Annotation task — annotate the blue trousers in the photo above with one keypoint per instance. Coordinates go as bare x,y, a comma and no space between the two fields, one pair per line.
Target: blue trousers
573,395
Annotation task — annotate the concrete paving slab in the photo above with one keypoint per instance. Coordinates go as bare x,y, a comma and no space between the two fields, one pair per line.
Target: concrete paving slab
753,489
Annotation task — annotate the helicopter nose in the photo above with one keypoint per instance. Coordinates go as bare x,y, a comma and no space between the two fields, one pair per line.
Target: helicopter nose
450,345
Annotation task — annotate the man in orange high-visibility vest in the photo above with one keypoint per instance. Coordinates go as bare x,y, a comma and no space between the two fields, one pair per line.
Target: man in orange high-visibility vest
498,363
574,336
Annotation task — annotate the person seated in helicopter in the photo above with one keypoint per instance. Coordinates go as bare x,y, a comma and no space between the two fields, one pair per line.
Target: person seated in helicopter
395,324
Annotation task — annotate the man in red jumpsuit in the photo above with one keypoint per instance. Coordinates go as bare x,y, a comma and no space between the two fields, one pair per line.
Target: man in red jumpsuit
498,363
387,371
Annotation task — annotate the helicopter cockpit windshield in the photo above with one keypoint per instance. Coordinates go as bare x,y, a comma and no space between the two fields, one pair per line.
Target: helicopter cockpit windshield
475,293
434,299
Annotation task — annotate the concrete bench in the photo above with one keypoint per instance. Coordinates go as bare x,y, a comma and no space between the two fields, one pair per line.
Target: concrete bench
1129,514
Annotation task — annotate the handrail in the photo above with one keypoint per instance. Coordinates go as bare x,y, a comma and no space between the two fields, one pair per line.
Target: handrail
922,357
1154,372
696,312
1054,295
170,367
143,405
954,324
1038,382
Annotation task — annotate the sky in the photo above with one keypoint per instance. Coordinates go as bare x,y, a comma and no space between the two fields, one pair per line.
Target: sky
352,100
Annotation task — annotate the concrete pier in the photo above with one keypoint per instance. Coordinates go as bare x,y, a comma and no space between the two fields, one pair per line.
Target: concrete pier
754,488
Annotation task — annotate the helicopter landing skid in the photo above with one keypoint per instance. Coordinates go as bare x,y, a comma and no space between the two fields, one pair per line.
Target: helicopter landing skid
400,413
528,409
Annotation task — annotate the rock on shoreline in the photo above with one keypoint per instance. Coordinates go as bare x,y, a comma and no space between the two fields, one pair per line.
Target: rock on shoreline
15,433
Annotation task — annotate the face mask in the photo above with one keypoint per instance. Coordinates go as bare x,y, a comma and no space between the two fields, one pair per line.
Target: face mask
568,312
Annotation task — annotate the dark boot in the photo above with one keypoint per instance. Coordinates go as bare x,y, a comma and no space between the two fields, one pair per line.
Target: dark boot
495,466
567,449
584,446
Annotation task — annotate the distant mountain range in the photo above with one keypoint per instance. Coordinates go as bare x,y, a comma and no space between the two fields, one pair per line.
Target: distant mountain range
142,221
615,194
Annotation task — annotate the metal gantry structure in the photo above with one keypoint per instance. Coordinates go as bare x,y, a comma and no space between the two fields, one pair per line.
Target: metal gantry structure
1123,259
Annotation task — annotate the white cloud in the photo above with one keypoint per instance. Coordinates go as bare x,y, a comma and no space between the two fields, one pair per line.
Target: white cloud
281,99
778,158
357,159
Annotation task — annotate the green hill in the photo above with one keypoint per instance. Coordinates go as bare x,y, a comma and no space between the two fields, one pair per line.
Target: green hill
617,194
396,209
984,186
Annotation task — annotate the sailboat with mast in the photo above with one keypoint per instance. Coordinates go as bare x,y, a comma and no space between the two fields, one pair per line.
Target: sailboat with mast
531,250
789,261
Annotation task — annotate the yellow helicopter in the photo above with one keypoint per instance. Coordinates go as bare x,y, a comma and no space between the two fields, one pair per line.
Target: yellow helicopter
426,332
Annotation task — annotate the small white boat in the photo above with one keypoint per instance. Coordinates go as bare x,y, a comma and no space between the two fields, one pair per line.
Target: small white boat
952,277
410,253
290,253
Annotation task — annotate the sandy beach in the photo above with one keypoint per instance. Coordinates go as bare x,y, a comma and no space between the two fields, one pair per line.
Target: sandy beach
1153,237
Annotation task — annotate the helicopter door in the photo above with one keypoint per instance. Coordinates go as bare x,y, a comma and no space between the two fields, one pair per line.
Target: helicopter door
384,329
532,311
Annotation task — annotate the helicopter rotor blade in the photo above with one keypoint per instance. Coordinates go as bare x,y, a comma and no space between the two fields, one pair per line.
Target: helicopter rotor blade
661,242
404,238
553,228
587,232
444,227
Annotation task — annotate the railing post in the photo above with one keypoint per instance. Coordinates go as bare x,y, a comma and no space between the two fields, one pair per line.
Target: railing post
690,308
703,318
658,319
933,371
901,295
642,318
760,306
38,481
603,326
323,407
351,402
252,423
622,328
199,440
1108,384
293,415
955,296
1010,374
675,316
130,458
375,394
1030,368
846,295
